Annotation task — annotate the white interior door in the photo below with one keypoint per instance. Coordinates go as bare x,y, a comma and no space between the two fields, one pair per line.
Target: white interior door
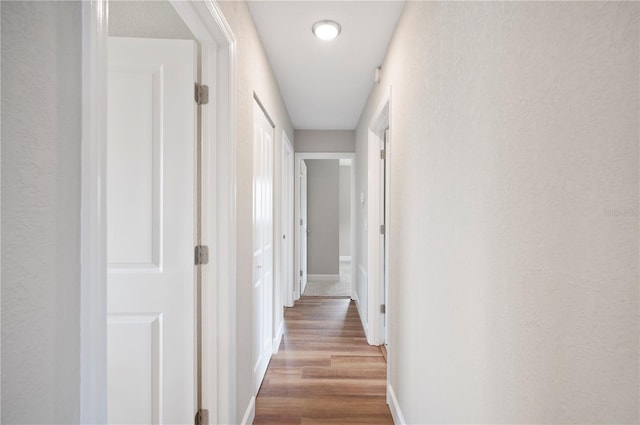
287,222
151,231
262,244
383,214
304,229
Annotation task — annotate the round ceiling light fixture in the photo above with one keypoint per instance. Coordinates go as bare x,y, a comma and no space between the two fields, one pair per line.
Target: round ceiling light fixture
326,30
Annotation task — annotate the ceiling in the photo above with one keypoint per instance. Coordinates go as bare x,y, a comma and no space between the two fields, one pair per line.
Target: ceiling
325,84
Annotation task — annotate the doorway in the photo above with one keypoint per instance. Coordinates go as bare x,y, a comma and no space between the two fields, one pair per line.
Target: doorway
147,256
325,234
152,223
287,224
378,210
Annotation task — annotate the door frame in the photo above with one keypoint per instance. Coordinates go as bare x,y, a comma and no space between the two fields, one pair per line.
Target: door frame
287,246
218,46
375,263
303,217
301,156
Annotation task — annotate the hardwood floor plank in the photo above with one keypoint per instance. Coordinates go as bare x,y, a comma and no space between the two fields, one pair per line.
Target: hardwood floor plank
359,420
358,361
341,373
287,387
293,362
326,406
325,372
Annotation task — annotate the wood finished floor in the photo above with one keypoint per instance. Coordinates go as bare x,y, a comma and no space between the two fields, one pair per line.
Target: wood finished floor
325,372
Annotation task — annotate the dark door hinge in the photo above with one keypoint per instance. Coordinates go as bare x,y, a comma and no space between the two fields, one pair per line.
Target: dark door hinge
202,255
202,94
202,417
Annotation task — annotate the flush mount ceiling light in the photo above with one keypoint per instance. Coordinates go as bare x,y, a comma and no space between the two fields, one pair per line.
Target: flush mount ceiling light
326,30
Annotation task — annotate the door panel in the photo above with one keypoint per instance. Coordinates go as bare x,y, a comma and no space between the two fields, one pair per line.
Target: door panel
384,222
135,376
304,230
262,244
287,223
151,231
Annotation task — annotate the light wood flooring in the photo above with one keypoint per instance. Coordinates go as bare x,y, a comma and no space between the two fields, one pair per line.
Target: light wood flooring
325,372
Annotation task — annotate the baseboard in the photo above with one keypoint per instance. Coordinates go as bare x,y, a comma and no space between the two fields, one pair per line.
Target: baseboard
345,258
278,338
392,401
361,283
323,278
364,325
250,413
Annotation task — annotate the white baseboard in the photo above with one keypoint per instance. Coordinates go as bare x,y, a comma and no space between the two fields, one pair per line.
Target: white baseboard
361,283
250,413
396,413
345,258
364,325
278,338
323,278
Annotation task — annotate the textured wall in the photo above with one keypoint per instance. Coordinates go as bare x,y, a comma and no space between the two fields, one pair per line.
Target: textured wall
151,19
41,132
253,75
323,216
514,211
325,141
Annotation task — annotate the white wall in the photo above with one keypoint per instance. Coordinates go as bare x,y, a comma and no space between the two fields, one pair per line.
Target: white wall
514,211
254,74
345,210
325,141
323,216
41,132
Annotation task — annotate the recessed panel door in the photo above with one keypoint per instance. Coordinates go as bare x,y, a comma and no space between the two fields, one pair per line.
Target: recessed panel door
151,231
262,244
304,229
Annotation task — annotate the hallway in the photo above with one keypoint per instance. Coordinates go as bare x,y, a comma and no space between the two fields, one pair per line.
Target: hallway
325,372
495,172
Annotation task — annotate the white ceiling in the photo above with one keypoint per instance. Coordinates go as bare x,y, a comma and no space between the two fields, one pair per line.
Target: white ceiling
325,84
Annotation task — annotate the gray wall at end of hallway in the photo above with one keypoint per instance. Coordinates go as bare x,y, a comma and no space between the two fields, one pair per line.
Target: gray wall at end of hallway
345,210
323,210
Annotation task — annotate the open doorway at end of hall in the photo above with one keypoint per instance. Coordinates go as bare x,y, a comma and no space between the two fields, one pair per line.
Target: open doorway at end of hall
324,212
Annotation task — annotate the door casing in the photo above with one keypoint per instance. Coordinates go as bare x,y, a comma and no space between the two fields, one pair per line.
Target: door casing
303,227
301,156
